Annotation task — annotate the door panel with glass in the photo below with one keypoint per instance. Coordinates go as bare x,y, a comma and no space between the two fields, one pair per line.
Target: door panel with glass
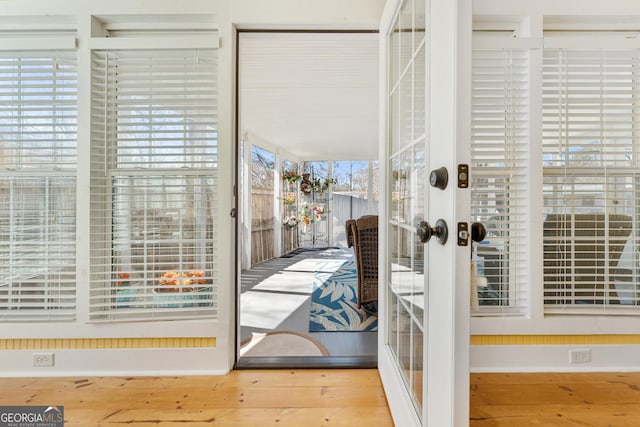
420,265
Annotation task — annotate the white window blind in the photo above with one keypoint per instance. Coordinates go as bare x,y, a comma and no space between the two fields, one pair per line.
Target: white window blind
38,140
153,179
591,176
499,184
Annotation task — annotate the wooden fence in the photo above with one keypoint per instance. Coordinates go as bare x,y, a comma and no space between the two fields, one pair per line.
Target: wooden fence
262,226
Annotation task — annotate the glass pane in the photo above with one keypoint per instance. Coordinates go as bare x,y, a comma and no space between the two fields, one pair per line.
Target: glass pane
38,118
419,22
394,54
405,117
375,180
392,322
419,209
419,95
417,366
349,196
394,120
289,205
37,246
263,164
405,349
314,205
162,236
406,33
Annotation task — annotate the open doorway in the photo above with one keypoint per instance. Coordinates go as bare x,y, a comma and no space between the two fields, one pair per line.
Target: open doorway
307,162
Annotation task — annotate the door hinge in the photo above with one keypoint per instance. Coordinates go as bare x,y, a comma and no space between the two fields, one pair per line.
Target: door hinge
232,214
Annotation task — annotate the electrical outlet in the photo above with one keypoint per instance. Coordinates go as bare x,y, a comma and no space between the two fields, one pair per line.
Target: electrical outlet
580,355
43,359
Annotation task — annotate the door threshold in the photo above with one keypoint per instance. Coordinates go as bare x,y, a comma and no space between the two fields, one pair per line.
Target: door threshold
307,362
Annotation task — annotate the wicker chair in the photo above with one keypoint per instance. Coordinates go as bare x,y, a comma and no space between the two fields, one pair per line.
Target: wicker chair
349,231
578,269
363,233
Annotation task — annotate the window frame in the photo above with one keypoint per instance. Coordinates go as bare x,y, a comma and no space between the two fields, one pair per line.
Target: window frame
46,292
108,302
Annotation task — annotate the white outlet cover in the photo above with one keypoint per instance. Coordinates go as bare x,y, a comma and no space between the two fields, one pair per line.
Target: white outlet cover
43,359
580,355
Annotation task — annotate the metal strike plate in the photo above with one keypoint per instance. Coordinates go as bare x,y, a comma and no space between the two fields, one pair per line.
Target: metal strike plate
463,176
463,234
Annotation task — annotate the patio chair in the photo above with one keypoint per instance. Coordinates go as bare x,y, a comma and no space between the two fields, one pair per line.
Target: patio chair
349,230
581,257
364,232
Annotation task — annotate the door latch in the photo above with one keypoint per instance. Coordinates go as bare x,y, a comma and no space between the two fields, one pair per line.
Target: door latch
463,234
463,176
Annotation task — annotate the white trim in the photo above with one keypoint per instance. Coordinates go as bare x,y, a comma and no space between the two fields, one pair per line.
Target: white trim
591,40
554,358
400,404
449,135
463,18
135,43
541,324
277,206
610,10
491,41
117,362
535,202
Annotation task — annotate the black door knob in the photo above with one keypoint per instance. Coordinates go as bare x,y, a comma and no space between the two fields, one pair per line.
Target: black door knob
478,232
439,178
425,231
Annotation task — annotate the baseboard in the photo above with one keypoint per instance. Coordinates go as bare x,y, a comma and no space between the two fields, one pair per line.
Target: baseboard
554,358
116,362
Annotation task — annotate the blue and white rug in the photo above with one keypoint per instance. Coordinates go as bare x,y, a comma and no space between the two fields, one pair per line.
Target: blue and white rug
333,301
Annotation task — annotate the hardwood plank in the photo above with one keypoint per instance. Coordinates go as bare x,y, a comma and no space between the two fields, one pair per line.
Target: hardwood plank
334,417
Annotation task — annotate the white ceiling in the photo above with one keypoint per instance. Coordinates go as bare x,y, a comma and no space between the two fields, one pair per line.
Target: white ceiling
314,95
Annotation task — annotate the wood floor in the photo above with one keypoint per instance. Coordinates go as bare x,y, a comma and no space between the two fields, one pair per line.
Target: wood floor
578,399
301,398
339,397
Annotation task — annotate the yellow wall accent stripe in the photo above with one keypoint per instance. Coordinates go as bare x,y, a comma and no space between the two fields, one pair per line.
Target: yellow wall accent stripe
103,343
554,339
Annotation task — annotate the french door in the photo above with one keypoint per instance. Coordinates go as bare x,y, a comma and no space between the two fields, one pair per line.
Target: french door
424,336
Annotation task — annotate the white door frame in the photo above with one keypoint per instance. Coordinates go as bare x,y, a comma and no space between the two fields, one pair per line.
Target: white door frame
448,294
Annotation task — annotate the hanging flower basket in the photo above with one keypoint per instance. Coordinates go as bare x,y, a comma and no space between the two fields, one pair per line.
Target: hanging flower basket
290,222
289,199
320,186
306,186
291,176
